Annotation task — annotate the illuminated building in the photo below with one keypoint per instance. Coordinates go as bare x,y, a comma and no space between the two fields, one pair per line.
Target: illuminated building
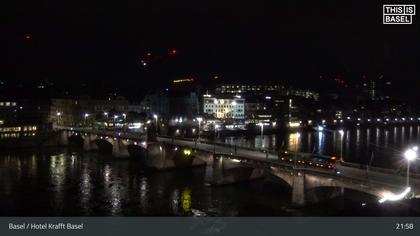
265,90
19,119
242,89
23,111
11,132
224,108
273,103
7,104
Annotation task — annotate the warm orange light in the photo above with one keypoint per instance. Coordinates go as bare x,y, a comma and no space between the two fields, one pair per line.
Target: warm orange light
182,80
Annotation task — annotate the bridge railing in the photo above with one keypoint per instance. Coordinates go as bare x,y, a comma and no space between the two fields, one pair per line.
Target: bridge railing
120,134
399,171
232,146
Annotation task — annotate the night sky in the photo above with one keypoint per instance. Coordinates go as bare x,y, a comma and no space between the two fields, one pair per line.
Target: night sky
293,42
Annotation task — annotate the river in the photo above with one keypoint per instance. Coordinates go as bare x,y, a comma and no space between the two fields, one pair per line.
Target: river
70,182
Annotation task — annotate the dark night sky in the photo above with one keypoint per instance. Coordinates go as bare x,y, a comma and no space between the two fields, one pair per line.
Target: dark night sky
101,42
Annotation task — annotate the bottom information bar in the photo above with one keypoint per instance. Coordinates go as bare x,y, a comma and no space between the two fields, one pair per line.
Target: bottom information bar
185,226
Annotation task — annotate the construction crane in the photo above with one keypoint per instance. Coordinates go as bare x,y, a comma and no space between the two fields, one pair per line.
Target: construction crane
150,58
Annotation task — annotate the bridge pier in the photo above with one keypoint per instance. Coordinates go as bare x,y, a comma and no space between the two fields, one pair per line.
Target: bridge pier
156,157
89,144
166,156
202,158
63,139
228,171
119,148
298,189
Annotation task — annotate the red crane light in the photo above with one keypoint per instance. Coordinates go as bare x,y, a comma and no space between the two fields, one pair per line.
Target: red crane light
173,52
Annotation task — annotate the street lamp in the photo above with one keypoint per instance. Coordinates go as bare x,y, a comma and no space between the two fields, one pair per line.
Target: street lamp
320,128
216,127
262,129
86,116
115,119
156,120
296,138
410,155
341,132
199,119
59,117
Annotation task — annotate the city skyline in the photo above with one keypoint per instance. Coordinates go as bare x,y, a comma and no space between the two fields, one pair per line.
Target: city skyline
288,43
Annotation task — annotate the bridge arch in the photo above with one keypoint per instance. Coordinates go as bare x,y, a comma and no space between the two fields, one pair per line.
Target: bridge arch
76,140
101,145
135,149
312,182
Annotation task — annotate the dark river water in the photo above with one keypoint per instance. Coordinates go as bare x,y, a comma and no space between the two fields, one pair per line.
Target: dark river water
70,182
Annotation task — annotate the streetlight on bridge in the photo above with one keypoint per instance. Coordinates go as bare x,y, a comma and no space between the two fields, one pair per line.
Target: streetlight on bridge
262,129
199,119
86,115
115,120
341,132
156,120
216,128
410,155
59,118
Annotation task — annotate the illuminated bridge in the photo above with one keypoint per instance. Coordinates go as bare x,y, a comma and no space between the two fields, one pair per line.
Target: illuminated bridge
386,184
230,164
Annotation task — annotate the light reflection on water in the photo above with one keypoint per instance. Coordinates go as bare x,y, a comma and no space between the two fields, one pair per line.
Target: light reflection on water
85,187
74,183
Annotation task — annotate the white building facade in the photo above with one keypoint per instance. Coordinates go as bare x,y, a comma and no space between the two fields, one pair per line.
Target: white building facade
224,108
